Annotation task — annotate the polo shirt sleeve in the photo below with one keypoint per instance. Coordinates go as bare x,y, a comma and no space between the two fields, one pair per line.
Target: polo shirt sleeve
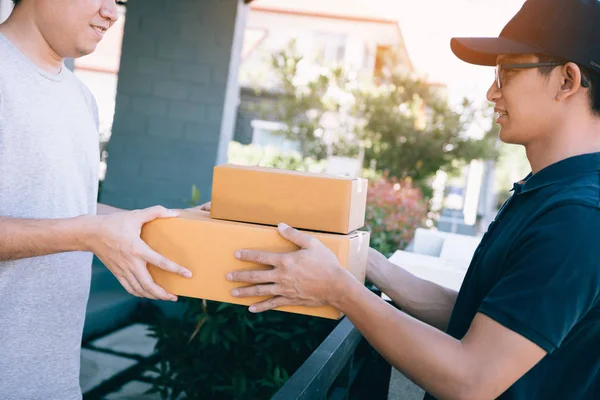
553,276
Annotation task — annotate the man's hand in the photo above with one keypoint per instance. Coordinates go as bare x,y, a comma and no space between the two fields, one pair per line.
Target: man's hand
306,277
116,242
375,262
203,207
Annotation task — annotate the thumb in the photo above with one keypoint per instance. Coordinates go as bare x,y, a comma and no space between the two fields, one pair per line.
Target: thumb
301,239
155,212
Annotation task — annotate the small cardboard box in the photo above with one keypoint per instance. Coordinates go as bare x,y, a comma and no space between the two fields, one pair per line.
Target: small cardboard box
303,200
206,247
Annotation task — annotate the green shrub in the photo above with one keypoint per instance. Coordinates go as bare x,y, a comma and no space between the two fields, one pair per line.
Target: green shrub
394,211
222,351
272,157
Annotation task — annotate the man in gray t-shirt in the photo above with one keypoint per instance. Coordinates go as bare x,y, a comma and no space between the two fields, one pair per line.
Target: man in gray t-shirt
50,223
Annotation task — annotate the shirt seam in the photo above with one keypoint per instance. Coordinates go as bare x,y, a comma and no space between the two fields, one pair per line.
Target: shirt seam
517,326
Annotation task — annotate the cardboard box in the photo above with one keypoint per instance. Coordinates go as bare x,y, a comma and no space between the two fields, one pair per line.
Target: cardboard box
303,200
206,246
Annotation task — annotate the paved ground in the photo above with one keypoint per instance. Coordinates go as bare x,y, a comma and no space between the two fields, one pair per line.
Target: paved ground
112,367
403,389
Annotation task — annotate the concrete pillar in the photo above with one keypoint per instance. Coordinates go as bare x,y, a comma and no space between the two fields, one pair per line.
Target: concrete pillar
177,100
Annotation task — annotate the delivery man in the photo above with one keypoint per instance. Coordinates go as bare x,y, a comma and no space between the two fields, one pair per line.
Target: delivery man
526,321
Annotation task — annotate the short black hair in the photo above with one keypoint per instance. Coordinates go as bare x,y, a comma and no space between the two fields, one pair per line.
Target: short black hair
593,79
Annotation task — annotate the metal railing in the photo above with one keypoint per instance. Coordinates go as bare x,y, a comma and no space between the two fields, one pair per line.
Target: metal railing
333,370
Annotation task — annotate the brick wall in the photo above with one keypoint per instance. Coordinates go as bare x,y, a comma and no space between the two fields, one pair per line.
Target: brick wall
177,100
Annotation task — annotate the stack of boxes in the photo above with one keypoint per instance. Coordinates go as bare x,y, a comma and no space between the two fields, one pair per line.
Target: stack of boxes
247,205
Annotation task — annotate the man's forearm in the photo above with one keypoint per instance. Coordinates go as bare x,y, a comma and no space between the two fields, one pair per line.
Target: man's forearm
422,299
24,238
429,357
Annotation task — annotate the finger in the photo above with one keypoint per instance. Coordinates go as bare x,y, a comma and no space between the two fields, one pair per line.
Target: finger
257,291
301,239
128,287
137,286
152,213
154,258
253,276
205,206
259,257
271,304
151,289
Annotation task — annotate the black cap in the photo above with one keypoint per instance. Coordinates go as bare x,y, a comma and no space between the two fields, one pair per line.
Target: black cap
568,29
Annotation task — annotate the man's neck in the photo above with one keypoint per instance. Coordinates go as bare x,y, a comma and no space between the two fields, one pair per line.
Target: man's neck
22,31
581,138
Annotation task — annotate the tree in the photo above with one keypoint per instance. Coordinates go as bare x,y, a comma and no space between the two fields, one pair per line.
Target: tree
411,131
300,105
402,124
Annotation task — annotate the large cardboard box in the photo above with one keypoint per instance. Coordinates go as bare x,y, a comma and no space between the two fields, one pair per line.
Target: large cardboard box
303,200
206,246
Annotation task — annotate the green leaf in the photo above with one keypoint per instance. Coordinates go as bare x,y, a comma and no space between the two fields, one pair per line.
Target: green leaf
222,307
195,195
230,335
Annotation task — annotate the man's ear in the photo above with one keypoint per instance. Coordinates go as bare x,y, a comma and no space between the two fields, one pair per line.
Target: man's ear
570,81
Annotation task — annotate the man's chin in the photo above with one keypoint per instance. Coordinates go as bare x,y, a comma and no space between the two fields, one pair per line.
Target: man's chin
84,51
507,137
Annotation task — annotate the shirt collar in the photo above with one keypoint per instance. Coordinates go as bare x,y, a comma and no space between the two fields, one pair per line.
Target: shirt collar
559,171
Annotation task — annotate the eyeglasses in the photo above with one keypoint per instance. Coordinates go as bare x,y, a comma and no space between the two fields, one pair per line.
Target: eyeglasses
506,67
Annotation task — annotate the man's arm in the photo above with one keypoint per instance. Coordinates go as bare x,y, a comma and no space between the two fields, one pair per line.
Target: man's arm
488,360
113,237
424,300
23,238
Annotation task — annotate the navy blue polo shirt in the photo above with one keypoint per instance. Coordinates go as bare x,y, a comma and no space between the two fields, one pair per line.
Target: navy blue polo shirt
537,272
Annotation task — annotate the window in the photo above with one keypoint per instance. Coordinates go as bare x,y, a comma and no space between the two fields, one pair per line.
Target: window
264,135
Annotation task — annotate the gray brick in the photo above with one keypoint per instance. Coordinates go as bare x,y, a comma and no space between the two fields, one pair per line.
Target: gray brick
133,24
147,7
123,104
187,111
161,169
202,133
184,50
159,27
209,94
135,85
139,45
163,126
149,106
181,7
154,67
171,48
225,37
218,55
215,114
125,167
130,123
159,147
224,11
219,75
196,73
202,34
171,90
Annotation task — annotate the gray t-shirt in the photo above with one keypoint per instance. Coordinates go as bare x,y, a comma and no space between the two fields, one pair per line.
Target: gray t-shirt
49,159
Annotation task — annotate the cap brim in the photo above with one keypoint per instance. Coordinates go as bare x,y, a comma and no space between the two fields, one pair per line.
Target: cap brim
484,51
